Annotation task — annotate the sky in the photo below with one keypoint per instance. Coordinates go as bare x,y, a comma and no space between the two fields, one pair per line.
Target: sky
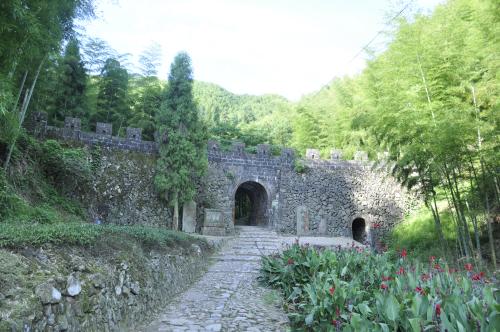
285,47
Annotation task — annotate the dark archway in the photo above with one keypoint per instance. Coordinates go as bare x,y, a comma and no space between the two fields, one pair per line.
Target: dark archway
250,204
359,230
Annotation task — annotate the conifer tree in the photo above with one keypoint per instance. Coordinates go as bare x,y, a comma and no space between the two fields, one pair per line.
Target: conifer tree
70,99
112,99
182,138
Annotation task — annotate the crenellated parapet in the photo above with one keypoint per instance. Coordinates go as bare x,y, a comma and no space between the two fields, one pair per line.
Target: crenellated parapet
237,154
103,135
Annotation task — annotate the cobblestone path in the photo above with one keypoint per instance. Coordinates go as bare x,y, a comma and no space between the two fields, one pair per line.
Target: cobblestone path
228,297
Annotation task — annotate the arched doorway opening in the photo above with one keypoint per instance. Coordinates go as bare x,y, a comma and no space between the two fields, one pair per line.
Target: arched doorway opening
359,230
250,204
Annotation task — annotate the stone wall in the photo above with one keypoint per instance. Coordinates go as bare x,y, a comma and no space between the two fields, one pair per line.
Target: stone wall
324,200
113,287
333,197
102,136
330,194
122,189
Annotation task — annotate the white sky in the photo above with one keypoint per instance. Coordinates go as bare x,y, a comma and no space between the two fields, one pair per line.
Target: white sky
286,47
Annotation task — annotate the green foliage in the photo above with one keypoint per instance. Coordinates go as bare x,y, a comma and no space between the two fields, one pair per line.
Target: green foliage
417,233
356,290
65,166
14,235
70,91
250,119
182,136
112,99
299,166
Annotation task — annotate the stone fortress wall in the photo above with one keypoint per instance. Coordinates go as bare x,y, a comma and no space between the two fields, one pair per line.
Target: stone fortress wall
324,200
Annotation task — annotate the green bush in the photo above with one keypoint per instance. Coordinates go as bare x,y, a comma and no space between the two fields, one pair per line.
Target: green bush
356,290
299,166
68,166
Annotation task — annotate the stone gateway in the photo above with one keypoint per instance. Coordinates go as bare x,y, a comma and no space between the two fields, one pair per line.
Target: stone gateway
332,197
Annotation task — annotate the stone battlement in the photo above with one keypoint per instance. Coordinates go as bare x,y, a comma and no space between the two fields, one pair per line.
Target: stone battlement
102,136
235,156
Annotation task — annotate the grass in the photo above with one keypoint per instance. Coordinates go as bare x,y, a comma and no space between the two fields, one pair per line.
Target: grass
13,235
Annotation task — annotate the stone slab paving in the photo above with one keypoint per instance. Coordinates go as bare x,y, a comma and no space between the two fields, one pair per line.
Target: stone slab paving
228,297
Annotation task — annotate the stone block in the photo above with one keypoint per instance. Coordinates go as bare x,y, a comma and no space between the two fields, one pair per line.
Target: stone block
287,155
312,154
263,150
238,148
302,215
361,156
104,128
322,228
189,217
213,146
335,154
214,223
134,134
72,123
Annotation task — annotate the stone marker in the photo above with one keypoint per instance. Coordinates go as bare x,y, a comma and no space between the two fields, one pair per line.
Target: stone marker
214,223
302,220
189,217
322,226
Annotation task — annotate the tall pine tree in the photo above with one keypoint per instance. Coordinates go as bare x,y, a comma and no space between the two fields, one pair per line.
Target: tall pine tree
70,99
112,99
182,136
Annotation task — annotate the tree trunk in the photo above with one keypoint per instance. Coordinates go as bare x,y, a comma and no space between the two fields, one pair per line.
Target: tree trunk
175,217
20,91
489,220
22,114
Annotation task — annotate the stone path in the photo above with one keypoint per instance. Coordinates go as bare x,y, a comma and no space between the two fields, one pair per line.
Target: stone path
228,297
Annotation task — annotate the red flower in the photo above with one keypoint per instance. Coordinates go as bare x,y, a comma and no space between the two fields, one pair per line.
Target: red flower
335,322
332,290
420,290
438,309
377,225
468,267
387,278
432,259
437,267
383,286
481,274
403,253
425,277
290,261
401,271
476,277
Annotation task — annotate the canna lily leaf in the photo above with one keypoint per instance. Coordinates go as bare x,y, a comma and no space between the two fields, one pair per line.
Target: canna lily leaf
392,308
415,324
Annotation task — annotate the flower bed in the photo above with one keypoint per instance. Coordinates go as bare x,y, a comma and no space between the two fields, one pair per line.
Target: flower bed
356,290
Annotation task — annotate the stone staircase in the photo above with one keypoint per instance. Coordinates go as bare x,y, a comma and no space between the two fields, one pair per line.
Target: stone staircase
243,253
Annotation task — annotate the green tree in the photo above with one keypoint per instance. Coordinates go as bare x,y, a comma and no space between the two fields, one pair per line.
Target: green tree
71,97
112,99
183,136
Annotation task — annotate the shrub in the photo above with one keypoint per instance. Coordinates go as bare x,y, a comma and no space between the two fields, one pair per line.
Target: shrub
68,166
299,166
356,290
